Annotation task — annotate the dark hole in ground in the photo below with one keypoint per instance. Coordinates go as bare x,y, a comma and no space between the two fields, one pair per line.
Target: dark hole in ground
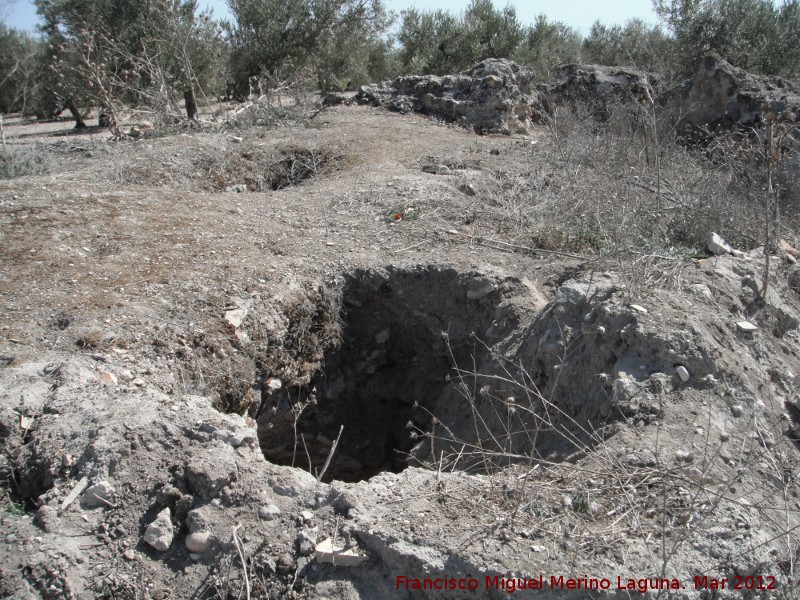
404,332
259,169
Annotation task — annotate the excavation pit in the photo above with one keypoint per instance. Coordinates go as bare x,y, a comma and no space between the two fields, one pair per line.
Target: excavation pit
406,334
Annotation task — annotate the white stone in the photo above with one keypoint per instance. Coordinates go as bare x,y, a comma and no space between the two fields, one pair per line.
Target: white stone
236,316
326,552
746,326
682,373
269,513
199,541
638,308
99,494
108,378
716,244
160,532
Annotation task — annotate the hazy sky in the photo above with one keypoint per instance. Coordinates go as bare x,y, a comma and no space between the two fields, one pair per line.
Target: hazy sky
577,13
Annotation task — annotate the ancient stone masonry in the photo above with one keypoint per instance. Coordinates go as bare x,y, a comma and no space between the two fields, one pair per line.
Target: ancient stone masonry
599,87
721,94
494,96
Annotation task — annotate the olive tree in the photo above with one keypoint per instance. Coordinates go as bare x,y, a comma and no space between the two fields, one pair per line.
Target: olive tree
757,35
438,42
332,38
547,44
106,52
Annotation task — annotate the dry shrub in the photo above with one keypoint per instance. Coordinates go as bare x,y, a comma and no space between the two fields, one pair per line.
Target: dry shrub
20,160
629,183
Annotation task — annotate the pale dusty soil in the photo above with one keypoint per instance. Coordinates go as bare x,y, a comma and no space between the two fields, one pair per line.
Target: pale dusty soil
124,259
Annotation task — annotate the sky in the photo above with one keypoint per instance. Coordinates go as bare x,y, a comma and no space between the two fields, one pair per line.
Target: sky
579,14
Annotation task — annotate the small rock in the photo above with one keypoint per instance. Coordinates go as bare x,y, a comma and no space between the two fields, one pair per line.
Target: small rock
207,477
684,456
638,308
352,513
273,385
99,494
46,518
435,169
682,373
269,513
467,189
160,532
199,541
738,253
717,245
126,375
236,317
306,541
746,326
788,249
701,290
108,378
306,516
129,554
326,552
737,410
198,520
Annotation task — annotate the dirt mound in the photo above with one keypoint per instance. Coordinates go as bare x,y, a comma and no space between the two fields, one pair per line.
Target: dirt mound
494,96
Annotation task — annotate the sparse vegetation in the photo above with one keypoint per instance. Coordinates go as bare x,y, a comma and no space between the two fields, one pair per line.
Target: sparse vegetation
491,353
25,160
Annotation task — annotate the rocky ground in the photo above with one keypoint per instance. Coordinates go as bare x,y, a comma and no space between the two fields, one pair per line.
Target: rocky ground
310,362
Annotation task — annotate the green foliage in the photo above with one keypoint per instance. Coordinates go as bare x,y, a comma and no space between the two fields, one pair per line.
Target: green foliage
755,35
15,509
437,42
20,63
337,39
546,45
107,51
636,44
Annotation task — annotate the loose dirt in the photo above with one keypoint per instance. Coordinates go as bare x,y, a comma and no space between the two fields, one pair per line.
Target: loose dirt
288,335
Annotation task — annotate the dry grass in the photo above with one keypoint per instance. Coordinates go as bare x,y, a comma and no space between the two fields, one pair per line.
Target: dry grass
21,160
611,187
597,500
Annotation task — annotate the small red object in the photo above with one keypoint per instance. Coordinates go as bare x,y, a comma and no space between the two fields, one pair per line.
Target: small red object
398,216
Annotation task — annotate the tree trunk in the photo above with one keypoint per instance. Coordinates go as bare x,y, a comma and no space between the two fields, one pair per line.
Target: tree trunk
191,104
79,122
